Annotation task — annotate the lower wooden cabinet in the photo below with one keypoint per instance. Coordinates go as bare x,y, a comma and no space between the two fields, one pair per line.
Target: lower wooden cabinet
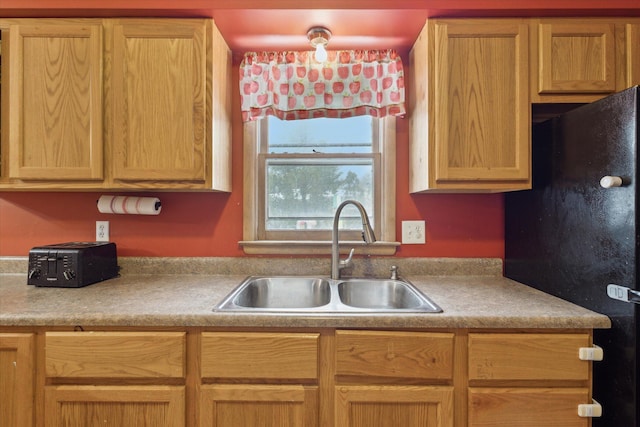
114,406
274,375
528,380
114,378
16,379
390,378
383,406
294,378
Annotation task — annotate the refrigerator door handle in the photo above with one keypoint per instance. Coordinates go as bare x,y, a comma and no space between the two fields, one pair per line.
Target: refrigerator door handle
609,181
622,293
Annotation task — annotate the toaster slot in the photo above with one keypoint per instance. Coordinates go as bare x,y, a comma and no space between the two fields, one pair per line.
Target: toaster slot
52,266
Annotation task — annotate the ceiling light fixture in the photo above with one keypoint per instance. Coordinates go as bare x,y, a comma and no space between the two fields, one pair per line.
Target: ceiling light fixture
319,38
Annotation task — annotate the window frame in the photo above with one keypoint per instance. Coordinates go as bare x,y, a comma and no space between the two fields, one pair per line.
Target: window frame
255,241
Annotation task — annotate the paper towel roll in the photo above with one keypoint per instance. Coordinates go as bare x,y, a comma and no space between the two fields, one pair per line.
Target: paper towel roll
129,205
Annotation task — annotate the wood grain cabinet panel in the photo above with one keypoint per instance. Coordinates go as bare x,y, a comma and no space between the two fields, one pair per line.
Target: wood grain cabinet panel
260,355
17,379
527,407
469,104
415,355
169,118
576,56
258,405
101,405
382,406
158,82
528,380
275,376
527,357
55,100
115,354
632,43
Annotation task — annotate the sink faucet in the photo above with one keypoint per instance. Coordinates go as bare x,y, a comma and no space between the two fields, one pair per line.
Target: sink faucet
367,235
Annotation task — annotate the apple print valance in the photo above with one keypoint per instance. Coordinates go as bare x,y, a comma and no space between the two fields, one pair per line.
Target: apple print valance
293,85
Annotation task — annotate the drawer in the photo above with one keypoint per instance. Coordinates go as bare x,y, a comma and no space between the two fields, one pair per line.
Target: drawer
527,357
256,355
115,354
415,355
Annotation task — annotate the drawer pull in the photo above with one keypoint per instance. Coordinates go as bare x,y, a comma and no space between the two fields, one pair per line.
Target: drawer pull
594,353
592,410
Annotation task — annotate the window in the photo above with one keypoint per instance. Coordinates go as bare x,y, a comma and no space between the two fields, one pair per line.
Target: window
297,173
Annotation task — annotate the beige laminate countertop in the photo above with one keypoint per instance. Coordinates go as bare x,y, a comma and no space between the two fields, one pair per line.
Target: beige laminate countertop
187,300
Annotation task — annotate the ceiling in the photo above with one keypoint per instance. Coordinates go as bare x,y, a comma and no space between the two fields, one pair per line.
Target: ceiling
269,29
351,29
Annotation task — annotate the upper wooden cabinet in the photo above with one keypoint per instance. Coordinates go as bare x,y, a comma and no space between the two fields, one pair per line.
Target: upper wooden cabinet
116,104
576,57
469,106
55,108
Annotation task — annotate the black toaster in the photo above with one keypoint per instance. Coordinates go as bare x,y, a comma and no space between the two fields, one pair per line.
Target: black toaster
72,264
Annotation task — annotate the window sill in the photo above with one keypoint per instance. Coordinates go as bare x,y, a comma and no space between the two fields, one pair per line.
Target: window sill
312,247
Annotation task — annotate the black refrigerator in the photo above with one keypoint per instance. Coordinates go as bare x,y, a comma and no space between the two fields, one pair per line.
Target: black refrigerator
575,235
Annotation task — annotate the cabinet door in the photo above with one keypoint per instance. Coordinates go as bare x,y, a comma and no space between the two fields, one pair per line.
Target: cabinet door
576,56
55,101
383,406
16,380
471,122
258,405
527,407
158,87
114,406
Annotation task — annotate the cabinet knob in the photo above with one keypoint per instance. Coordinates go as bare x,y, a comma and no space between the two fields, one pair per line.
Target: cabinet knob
590,410
610,181
594,353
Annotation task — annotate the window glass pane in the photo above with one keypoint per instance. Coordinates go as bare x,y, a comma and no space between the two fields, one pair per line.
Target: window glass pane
304,193
324,135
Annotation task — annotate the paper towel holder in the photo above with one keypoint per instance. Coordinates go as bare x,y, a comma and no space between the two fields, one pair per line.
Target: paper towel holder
157,205
132,205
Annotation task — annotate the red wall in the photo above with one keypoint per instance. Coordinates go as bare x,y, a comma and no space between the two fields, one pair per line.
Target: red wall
210,224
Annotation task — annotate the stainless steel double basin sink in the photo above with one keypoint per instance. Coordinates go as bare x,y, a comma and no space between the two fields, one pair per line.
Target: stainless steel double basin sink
297,294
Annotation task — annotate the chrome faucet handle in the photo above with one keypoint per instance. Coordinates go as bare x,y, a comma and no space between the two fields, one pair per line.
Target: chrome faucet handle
394,272
349,261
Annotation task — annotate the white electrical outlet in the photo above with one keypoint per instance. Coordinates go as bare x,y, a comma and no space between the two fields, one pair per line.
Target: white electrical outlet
102,231
413,232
